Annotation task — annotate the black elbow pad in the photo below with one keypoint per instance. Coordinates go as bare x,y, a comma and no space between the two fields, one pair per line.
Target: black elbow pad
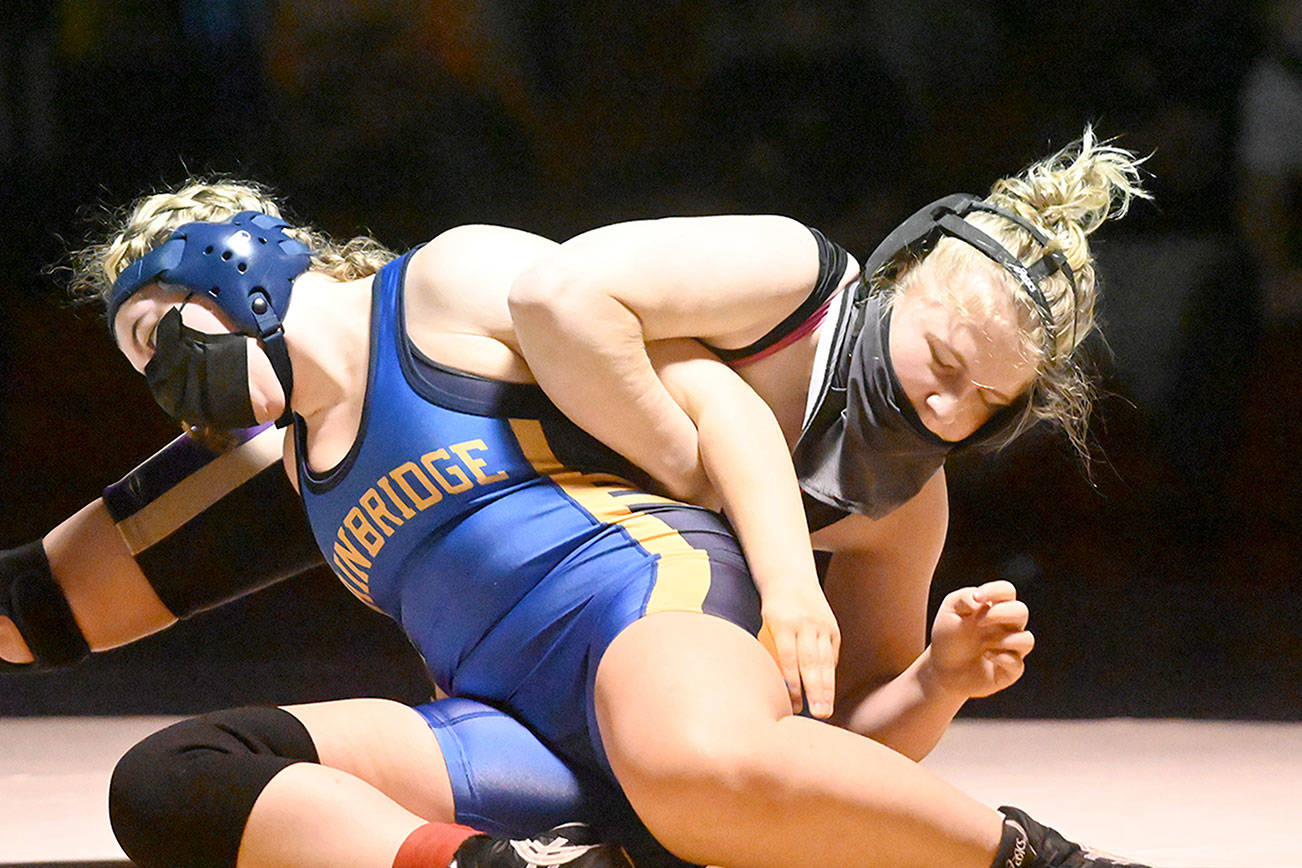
35,602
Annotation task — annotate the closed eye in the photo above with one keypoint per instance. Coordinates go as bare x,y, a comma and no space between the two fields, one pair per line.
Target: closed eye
148,342
945,364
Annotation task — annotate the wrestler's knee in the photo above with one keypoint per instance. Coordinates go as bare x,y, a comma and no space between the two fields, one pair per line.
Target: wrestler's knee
694,782
182,796
694,758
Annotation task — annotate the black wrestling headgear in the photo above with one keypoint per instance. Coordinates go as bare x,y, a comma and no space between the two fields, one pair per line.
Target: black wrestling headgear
945,217
864,448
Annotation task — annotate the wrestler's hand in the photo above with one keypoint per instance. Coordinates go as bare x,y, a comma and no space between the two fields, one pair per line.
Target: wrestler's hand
12,647
979,640
800,632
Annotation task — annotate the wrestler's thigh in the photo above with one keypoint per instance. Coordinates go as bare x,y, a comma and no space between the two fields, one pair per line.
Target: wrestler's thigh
386,744
676,684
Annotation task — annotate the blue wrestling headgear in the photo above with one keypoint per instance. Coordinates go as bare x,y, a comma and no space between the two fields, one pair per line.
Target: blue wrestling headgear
945,217
246,266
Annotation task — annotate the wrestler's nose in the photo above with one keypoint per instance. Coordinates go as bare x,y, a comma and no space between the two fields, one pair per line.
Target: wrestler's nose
949,411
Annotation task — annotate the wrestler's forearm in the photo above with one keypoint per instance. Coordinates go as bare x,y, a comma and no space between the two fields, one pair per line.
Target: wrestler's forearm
588,353
584,315
110,597
909,713
188,529
745,457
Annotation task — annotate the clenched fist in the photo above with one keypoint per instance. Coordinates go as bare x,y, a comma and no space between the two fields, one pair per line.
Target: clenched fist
979,640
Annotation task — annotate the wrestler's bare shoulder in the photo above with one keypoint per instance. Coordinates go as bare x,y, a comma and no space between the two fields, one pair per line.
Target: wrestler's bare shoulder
456,297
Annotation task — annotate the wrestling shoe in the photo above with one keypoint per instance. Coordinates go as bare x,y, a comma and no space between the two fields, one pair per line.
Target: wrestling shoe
571,844
1038,846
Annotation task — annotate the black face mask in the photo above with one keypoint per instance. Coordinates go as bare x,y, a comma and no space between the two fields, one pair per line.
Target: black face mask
865,450
199,378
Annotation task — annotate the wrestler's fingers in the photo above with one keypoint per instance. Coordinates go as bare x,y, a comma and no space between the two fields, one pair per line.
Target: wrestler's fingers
965,602
1021,642
829,649
1007,663
811,675
789,663
997,591
12,640
817,671
1011,614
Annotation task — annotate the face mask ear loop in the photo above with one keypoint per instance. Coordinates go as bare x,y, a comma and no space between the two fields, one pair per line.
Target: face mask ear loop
179,308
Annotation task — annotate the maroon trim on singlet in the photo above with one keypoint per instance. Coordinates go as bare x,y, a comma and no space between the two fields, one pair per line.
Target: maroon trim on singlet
832,262
800,331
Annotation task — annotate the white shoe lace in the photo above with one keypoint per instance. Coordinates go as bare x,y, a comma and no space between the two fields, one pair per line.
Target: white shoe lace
558,851
1104,857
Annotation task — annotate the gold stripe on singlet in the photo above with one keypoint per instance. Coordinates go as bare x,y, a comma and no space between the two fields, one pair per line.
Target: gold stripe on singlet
682,571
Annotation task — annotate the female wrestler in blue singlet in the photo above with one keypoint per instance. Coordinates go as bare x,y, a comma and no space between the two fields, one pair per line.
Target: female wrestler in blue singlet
684,705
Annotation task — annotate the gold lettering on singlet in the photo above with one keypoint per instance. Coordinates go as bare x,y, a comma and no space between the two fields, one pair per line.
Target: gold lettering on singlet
463,482
424,501
476,465
378,511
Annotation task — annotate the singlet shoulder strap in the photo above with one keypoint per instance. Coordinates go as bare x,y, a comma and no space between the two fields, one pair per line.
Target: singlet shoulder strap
386,289
832,262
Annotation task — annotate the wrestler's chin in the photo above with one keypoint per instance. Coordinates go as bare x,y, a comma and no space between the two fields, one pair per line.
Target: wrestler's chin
268,403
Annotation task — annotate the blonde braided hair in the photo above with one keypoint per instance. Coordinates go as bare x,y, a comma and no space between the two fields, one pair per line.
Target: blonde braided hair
146,223
138,228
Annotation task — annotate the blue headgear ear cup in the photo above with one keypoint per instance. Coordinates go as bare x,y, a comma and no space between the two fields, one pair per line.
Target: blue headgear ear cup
246,266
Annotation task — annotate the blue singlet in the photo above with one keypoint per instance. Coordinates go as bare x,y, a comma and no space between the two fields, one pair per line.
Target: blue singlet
511,569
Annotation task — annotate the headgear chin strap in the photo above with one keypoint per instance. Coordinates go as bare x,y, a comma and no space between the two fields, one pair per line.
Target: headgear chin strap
945,217
246,266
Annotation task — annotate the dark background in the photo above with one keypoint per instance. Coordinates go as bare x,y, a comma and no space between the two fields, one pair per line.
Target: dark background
1163,579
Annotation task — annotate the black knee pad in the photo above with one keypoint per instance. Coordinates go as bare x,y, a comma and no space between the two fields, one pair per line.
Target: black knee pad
183,795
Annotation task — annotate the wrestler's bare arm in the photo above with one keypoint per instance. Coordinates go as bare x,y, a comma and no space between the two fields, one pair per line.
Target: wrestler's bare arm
744,454
893,686
133,561
583,315
110,597
878,582
456,297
